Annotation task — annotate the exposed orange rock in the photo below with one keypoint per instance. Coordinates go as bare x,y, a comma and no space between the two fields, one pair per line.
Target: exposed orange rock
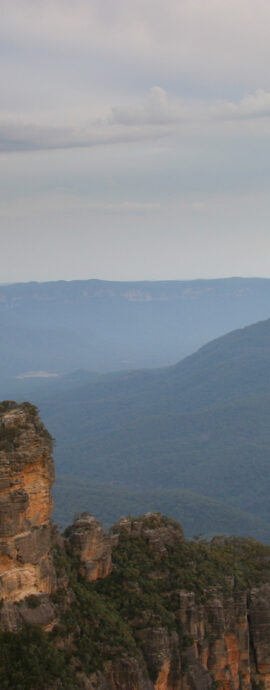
92,547
26,477
219,631
222,641
259,618
162,681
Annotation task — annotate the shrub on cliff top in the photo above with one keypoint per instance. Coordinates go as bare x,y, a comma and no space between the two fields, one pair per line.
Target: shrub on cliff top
28,661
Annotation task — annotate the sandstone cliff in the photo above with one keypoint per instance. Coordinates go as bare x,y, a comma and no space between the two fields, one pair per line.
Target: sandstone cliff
88,541
27,536
216,638
26,477
140,609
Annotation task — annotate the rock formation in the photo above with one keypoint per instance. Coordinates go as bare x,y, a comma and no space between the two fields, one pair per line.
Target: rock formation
225,640
89,543
26,477
154,528
141,609
26,535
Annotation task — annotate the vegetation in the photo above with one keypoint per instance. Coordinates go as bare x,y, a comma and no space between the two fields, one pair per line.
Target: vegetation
101,621
201,426
6,405
62,326
28,661
10,434
196,566
195,512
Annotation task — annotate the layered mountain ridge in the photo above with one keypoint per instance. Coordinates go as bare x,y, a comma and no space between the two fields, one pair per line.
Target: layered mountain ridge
200,426
140,609
192,438
57,327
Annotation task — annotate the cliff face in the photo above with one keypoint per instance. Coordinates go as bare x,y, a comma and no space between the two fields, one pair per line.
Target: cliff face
220,640
141,609
259,633
26,540
26,477
229,645
222,634
89,543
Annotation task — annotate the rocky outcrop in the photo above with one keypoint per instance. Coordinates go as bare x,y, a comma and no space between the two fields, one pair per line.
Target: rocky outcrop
27,537
26,477
259,627
123,674
88,542
161,630
161,653
159,531
219,635
224,641
223,653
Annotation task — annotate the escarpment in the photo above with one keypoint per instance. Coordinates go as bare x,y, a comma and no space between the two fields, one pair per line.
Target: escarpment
26,477
139,609
27,536
89,543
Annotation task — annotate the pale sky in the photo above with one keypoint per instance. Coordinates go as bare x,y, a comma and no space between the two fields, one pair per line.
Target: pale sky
134,139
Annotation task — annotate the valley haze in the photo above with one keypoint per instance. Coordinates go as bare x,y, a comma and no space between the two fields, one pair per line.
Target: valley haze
135,431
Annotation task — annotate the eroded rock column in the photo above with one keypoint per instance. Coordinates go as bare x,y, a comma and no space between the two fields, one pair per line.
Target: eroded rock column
26,477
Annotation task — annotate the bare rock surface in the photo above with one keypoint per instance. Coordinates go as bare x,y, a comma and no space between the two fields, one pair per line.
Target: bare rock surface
26,477
89,543
155,528
218,641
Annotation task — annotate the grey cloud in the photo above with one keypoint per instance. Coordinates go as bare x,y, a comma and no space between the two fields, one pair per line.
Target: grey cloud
155,111
158,110
226,39
154,118
48,204
30,137
188,41
191,152
251,106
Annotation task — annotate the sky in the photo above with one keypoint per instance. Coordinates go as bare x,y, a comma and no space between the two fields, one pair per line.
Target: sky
134,139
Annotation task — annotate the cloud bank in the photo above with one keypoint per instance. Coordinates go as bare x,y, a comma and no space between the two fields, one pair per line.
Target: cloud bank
154,118
145,122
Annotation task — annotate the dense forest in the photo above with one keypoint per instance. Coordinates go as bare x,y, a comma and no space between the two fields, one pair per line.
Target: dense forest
104,620
171,438
102,326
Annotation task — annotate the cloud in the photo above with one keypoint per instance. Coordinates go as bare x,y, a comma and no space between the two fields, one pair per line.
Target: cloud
251,106
92,72
145,108
154,118
158,110
209,41
31,137
155,111
59,203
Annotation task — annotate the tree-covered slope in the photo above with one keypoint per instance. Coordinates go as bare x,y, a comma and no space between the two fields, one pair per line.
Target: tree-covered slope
198,514
169,611
104,326
201,425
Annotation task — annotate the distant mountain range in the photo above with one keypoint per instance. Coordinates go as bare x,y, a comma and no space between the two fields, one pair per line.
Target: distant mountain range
171,438
191,439
104,326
